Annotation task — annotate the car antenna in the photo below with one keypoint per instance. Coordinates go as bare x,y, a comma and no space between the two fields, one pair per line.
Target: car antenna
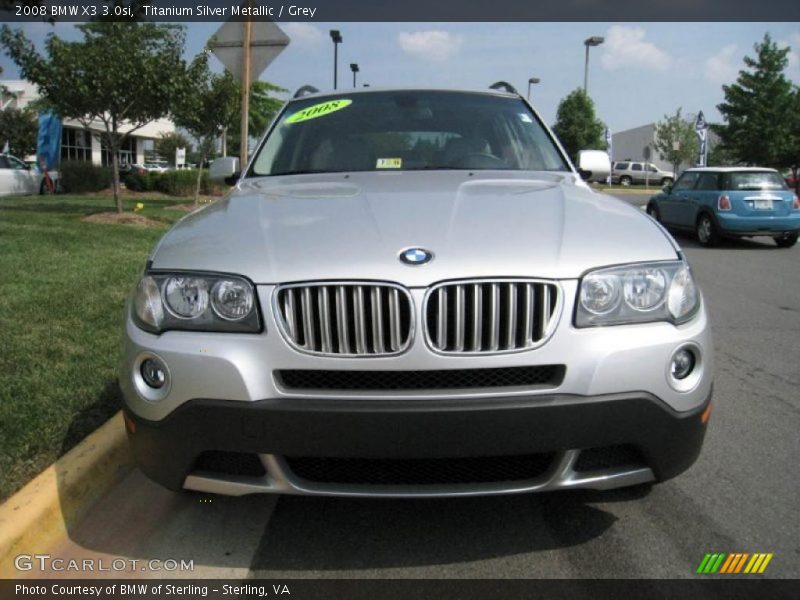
504,86
305,91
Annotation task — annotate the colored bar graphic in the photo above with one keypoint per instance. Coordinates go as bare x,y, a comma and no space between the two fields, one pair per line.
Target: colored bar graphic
727,565
766,562
734,563
703,563
718,564
741,562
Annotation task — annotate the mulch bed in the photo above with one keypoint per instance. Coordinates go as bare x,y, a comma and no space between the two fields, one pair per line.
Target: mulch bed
126,218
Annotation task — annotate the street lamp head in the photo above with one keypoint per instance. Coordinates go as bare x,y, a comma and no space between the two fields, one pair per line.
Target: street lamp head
534,80
595,40
354,67
336,36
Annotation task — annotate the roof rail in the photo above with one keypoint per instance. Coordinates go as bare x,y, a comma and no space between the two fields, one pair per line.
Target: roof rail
504,86
305,91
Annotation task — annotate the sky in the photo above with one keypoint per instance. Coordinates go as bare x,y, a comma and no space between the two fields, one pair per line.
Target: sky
642,72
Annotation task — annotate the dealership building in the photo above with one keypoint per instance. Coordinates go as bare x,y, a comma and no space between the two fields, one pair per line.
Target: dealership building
78,143
639,144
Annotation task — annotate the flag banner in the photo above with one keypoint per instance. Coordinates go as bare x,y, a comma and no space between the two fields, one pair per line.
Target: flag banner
48,146
701,128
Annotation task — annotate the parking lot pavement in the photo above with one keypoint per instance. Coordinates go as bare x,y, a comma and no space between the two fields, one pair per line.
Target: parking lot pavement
740,496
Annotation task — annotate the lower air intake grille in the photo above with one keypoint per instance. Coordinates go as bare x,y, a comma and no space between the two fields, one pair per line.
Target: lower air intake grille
607,457
549,375
230,463
420,471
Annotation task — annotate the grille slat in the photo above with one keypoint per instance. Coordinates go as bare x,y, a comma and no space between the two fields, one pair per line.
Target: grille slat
477,319
307,306
527,315
490,316
361,327
377,318
341,318
544,311
324,319
288,311
460,323
511,316
494,317
395,331
441,334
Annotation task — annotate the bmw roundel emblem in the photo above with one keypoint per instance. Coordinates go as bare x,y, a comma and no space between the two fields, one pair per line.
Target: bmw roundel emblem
416,256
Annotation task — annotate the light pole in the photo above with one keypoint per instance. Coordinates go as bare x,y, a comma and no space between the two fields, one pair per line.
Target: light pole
595,40
337,39
532,80
354,69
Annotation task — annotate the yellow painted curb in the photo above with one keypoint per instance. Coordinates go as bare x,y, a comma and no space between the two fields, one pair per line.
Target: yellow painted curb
41,513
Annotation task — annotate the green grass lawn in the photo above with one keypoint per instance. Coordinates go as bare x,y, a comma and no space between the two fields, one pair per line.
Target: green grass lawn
63,286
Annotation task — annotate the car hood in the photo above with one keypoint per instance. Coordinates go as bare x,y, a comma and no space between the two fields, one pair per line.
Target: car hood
354,226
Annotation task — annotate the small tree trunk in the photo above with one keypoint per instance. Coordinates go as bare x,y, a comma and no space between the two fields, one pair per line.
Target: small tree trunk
115,178
199,179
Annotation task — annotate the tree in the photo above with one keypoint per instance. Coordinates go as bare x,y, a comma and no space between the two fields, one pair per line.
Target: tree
205,112
576,125
758,108
169,142
122,75
263,108
676,140
20,128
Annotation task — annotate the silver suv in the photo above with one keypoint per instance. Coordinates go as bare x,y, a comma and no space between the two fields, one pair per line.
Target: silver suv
629,172
413,293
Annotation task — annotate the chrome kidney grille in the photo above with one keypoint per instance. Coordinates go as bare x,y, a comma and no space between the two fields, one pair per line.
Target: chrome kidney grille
346,318
490,316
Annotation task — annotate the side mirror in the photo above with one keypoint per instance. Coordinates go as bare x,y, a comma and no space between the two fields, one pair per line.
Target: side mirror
224,169
667,189
594,164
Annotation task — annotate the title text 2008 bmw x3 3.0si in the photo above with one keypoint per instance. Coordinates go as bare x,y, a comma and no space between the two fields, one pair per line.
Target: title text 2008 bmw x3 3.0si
413,293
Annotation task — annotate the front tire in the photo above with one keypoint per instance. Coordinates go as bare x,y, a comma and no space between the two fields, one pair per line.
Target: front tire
706,231
787,240
666,181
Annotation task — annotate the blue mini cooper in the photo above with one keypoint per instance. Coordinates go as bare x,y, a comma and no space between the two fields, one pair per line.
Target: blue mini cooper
717,202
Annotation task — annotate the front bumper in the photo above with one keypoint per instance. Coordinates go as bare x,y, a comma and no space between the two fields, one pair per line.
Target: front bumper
556,427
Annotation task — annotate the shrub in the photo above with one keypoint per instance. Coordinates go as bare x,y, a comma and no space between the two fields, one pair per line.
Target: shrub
142,182
77,177
174,183
177,183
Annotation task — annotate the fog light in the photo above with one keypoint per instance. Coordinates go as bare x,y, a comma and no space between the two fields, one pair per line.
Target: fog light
683,362
154,373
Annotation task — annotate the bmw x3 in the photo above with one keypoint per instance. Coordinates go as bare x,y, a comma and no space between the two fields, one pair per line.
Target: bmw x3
413,292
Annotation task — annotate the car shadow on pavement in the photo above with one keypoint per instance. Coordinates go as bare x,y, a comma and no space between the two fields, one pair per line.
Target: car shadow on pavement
314,536
688,240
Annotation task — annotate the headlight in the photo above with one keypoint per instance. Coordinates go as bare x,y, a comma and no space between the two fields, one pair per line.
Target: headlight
196,302
640,293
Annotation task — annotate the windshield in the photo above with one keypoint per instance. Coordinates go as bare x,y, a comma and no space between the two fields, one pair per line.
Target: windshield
756,180
406,131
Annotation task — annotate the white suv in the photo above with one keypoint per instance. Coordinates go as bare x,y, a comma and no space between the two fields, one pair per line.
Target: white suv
628,172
